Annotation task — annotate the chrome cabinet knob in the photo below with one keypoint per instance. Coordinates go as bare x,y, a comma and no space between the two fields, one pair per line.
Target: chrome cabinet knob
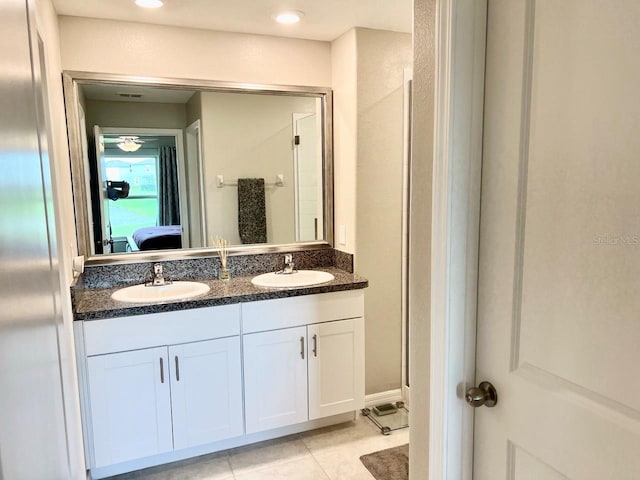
484,394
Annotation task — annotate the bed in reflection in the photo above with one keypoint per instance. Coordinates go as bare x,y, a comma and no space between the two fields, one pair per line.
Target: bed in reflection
156,238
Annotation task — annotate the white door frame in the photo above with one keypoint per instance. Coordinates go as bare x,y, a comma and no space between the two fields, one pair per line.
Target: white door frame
406,156
459,91
106,240
194,147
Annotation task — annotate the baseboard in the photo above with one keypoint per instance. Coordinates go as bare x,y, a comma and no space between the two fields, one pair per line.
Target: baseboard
390,396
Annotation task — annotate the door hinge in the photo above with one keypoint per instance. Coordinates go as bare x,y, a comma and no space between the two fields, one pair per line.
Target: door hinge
296,140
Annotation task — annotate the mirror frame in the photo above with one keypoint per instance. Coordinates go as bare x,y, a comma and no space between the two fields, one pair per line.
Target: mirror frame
71,80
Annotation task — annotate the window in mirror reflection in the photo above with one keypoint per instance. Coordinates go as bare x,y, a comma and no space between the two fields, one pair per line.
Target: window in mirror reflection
140,208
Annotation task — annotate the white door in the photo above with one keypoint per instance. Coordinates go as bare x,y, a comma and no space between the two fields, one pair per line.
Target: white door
558,326
206,391
130,405
336,369
275,378
308,177
101,169
195,198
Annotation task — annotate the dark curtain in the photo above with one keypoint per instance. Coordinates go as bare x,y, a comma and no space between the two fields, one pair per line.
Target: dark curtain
169,197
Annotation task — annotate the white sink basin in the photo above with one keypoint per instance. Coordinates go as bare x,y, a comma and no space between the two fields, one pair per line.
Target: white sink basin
172,291
300,278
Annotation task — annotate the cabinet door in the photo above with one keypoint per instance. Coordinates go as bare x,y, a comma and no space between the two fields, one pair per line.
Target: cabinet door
206,391
130,405
275,378
336,367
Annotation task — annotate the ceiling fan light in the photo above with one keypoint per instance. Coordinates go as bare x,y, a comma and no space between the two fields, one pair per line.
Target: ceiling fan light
149,3
129,146
288,17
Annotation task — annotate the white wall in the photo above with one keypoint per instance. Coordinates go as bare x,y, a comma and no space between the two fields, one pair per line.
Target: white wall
345,125
250,136
368,72
108,46
382,59
420,232
135,114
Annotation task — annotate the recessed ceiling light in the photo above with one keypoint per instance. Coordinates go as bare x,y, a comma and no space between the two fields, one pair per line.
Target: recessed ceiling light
149,3
291,16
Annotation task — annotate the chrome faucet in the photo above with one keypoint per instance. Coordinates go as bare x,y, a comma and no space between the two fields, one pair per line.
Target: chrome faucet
289,266
157,276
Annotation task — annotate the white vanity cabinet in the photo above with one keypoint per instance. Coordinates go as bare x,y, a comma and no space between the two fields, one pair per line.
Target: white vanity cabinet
206,391
336,367
275,378
303,359
143,402
130,405
163,387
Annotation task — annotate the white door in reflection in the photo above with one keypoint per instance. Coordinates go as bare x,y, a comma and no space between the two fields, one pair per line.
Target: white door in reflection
308,176
105,240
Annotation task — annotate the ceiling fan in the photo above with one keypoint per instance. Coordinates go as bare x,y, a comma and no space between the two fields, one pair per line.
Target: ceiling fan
128,143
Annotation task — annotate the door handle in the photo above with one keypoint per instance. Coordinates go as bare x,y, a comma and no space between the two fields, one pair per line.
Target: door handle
484,394
177,369
302,347
161,371
315,345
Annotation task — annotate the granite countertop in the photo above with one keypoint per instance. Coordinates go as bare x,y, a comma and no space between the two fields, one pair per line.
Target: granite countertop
96,303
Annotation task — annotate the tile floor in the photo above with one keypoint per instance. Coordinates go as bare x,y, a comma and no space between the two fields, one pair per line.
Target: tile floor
331,453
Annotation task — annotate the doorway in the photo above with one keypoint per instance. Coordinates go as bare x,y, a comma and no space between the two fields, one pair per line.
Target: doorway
140,184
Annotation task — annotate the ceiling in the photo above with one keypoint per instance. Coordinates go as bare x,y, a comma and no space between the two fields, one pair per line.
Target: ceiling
121,93
323,20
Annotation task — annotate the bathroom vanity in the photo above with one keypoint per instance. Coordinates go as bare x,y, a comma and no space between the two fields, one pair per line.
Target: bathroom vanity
241,364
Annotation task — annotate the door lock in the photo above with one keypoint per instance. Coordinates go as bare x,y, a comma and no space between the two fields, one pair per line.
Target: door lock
484,394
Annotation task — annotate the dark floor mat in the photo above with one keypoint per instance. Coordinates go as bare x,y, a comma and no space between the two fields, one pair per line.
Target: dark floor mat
389,464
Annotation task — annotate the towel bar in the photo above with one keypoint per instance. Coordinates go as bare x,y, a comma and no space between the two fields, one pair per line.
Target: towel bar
220,182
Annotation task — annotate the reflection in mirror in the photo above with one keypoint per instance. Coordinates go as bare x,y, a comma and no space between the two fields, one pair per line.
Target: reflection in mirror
173,167
275,139
140,204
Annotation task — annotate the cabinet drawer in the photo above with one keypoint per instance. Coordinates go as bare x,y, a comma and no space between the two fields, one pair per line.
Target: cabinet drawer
304,310
168,328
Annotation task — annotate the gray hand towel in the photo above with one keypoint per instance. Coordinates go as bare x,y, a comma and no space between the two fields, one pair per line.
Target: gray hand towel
252,216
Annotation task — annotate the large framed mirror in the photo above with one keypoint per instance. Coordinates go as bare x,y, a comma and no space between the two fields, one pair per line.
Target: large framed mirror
164,166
